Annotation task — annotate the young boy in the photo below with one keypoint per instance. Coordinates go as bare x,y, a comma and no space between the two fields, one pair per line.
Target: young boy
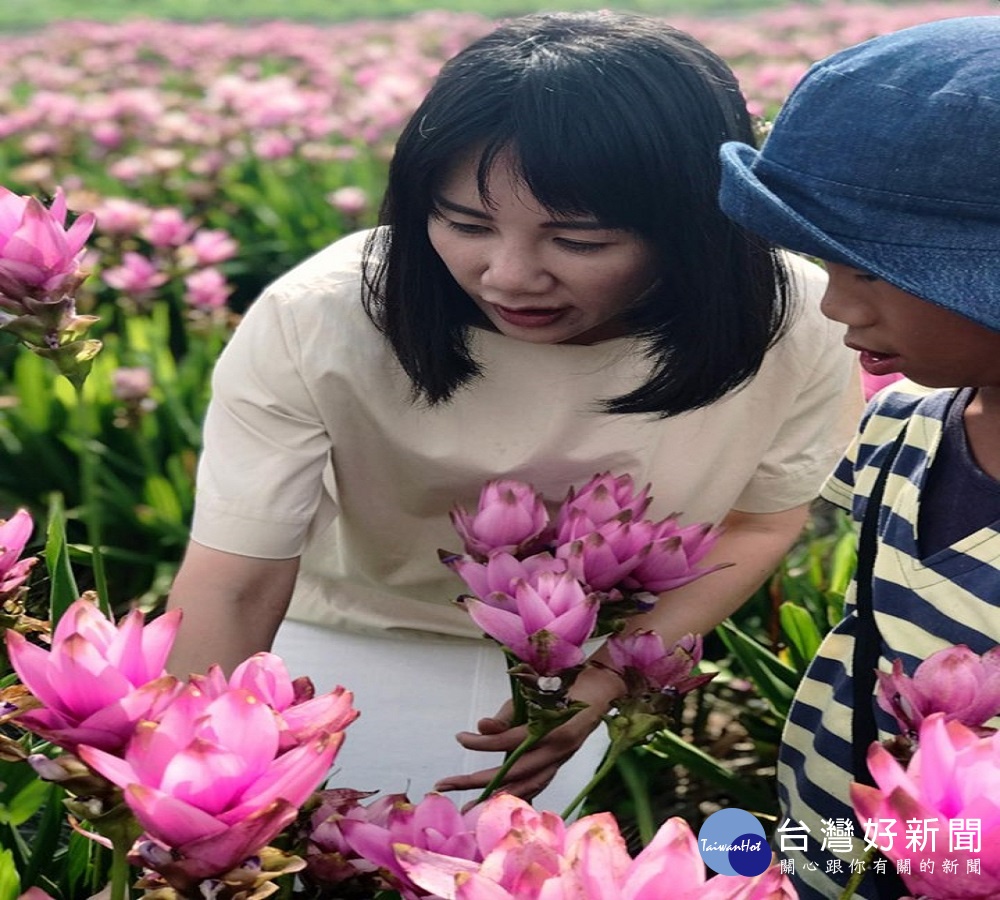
885,163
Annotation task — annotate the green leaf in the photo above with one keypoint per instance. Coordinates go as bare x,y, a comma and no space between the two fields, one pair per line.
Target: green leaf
25,803
62,589
774,680
843,562
162,497
672,747
801,632
10,882
47,836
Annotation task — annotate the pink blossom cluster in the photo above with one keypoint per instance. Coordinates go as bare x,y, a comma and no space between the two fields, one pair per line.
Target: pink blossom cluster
212,769
541,583
504,849
142,250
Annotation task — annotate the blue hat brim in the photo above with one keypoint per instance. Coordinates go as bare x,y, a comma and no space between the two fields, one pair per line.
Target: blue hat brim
926,272
749,202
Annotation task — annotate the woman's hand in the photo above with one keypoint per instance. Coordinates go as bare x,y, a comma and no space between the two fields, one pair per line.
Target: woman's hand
532,773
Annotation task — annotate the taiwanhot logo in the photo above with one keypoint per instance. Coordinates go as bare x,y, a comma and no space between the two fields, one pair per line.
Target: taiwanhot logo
732,842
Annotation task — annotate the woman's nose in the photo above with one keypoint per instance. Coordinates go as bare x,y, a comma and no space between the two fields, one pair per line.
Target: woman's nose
514,268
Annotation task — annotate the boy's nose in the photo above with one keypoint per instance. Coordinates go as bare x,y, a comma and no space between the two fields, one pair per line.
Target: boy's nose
843,305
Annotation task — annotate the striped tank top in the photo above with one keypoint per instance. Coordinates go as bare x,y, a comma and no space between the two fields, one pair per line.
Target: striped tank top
921,605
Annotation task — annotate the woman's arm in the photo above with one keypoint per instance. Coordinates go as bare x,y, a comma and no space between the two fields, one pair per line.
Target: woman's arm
232,607
754,544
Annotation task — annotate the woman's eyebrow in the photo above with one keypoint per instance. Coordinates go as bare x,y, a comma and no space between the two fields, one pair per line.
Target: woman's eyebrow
574,224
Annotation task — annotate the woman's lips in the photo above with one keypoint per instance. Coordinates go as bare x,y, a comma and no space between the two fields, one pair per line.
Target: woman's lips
529,317
878,363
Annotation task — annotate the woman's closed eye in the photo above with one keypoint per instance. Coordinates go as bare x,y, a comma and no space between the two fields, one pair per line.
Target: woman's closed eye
575,246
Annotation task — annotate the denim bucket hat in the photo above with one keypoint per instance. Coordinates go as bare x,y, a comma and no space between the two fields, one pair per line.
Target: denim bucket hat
886,158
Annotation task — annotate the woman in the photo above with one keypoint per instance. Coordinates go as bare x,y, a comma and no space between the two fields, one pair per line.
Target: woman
553,293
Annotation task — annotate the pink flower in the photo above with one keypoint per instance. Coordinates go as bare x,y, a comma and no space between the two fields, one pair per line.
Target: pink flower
954,681
547,622
647,666
97,680
511,517
39,256
14,534
639,555
167,227
131,383
137,276
300,714
351,201
206,289
433,824
603,498
330,858
668,559
500,572
208,247
953,776
529,855
208,783
120,216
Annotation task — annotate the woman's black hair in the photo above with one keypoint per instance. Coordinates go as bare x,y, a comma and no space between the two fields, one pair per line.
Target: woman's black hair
613,115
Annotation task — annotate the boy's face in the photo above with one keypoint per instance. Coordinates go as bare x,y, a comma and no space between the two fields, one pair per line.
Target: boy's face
894,331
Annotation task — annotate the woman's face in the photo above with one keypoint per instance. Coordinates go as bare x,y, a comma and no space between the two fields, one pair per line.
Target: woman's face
537,278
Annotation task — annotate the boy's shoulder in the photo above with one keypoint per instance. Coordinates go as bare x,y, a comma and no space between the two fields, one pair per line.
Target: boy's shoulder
896,404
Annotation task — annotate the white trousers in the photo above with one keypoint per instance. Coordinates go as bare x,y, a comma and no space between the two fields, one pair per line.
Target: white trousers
413,697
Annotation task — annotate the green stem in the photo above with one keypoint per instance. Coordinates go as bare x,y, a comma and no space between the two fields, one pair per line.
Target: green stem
639,792
91,501
120,871
854,882
520,750
607,764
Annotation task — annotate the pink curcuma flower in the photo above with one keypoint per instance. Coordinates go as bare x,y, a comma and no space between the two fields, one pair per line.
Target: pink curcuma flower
39,256
330,858
207,247
299,713
433,824
493,581
954,681
647,666
167,227
639,555
952,777
97,679
14,534
544,624
603,498
511,517
206,289
137,276
351,200
208,783
529,855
